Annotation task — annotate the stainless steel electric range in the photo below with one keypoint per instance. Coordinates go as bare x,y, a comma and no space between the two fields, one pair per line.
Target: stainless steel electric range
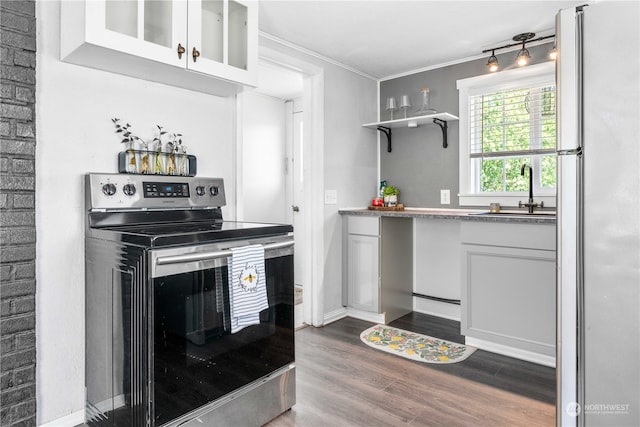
160,350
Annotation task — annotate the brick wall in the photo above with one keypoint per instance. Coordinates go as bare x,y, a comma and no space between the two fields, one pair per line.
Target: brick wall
17,213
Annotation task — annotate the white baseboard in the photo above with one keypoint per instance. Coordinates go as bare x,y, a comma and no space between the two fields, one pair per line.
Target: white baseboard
366,315
73,419
335,315
516,353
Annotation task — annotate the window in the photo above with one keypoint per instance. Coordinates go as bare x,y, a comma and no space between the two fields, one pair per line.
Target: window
508,119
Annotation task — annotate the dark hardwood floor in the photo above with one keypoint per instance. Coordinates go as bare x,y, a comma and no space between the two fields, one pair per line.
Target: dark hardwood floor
343,382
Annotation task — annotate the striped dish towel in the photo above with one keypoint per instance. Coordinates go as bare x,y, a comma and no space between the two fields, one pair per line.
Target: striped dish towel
248,288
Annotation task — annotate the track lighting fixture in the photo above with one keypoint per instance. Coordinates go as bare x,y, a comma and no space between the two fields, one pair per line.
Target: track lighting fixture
493,62
523,55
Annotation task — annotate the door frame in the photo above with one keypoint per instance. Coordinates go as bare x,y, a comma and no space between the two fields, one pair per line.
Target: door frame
313,173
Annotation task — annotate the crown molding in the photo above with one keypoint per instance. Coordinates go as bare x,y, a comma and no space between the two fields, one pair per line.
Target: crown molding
315,55
321,57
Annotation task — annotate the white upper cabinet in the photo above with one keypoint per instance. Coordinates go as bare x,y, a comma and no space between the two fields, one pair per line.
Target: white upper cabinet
209,46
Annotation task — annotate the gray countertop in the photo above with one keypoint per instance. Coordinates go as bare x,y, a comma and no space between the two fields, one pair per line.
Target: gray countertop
457,214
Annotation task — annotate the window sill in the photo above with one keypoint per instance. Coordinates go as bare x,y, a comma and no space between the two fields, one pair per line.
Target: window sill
506,200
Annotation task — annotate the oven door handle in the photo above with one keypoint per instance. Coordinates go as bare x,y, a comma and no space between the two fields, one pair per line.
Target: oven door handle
204,256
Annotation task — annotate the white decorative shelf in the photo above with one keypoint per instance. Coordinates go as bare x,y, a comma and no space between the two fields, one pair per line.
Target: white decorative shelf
410,121
440,119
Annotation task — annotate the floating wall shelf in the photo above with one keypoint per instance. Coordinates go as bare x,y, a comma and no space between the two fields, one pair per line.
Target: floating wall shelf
440,119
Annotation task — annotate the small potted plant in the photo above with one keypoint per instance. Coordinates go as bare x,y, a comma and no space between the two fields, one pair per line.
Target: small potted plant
391,195
128,139
182,166
158,164
172,148
145,161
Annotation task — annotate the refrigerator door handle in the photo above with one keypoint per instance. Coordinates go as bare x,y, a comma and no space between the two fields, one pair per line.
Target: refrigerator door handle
570,152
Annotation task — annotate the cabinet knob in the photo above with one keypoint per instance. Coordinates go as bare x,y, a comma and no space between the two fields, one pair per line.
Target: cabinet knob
181,50
196,54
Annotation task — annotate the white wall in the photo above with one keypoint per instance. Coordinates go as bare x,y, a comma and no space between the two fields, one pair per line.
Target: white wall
350,164
261,197
75,136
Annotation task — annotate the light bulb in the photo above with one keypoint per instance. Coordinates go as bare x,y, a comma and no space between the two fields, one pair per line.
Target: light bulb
553,55
523,56
492,64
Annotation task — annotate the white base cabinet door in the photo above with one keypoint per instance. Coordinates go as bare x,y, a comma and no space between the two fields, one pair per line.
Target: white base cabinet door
509,287
363,274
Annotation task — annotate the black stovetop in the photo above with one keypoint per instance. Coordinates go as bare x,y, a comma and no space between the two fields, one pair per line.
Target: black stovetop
174,228
172,234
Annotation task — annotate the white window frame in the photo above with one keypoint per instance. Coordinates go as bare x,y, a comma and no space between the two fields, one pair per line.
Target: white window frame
533,75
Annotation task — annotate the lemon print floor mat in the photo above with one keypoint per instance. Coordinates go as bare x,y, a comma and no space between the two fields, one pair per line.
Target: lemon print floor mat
421,348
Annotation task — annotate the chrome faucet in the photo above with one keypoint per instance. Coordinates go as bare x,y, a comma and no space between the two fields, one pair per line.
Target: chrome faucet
531,205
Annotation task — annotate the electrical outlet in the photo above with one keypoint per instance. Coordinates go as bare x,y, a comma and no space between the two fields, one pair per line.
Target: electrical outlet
445,197
330,197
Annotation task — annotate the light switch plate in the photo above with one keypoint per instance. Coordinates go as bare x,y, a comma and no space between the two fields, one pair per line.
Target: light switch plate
445,197
330,197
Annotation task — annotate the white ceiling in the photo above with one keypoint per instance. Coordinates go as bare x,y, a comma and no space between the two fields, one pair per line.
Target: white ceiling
383,38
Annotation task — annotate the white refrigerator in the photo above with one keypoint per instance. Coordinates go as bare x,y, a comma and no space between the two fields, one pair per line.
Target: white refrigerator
598,340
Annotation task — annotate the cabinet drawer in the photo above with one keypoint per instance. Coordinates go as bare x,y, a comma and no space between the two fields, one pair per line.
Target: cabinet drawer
368,226
515,235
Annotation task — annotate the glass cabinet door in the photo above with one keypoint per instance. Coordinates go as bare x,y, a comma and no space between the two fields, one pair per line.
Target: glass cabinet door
238,15
153,29
223,38
212,30
121,16
158,22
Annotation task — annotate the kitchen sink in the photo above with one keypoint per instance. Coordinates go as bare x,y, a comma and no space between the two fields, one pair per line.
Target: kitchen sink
544,214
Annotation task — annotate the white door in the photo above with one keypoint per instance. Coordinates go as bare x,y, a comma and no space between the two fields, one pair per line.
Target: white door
261,170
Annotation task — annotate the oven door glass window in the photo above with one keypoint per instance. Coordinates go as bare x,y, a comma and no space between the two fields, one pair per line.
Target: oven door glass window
196,358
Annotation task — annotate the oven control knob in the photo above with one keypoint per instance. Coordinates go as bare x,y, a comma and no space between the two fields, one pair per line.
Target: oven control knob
214,190
200,190
129,189
109,189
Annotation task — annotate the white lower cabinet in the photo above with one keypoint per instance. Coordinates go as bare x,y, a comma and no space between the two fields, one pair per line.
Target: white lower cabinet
379,273
509,289
364,278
